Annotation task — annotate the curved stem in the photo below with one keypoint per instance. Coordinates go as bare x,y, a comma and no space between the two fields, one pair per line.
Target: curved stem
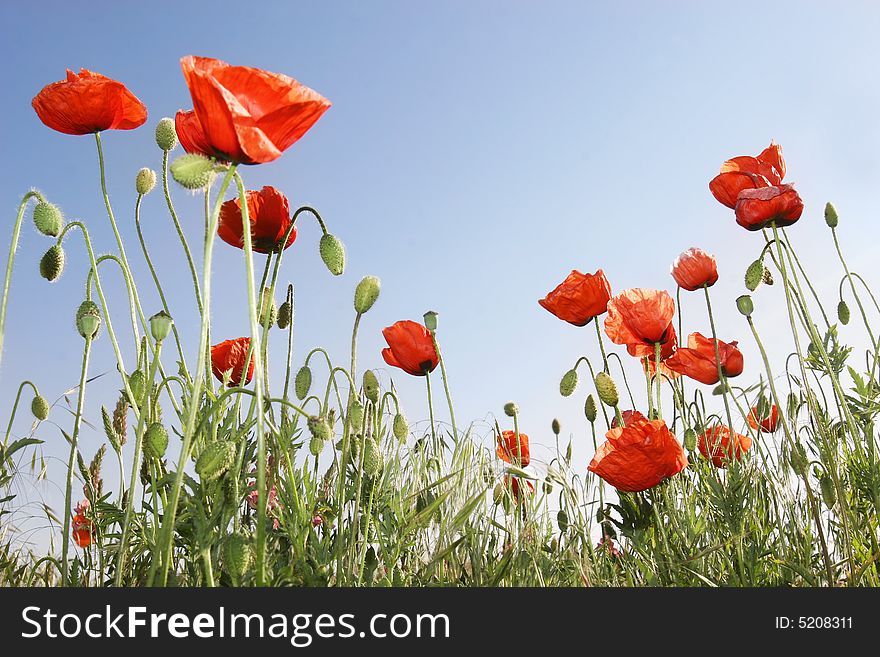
171,210
15,408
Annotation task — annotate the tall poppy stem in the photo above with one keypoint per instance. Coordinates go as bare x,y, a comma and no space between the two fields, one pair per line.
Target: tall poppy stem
173,212
15,408
431,414
445,384
601,345
658,378
721,377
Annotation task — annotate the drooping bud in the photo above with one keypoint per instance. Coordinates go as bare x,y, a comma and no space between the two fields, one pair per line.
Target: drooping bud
166,134
511,409
400,427
316,446
192,171
555,426
52,263
562,520
690,439
145,181
843,312
155,441
373,459
160,325
320,428
268,307
829,495
366,293
590,409
40,407
48,219
303,382
430,318
371,386
332,253
831,215
285,314
215,460
88,319
356,415
568,383
606,389
744,305
754,275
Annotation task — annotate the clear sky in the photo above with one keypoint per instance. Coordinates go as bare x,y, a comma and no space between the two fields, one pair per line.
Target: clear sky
475,153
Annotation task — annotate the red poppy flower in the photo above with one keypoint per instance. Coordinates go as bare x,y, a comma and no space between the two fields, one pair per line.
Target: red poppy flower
767,424
513,485
757,208
697,360
83,530
715,444
230,355
628,418
88,102
269,215
579,298
244,114
649,352
640,318
410,347
638,456
509,451
746,172
693,269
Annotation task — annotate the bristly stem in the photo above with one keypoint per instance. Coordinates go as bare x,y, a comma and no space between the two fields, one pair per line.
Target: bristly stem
15,408
445,384
722,378
173,212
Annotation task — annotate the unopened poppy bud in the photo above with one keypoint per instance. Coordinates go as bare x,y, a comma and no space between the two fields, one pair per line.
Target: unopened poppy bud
285,313
237,551
829,495
268,309
356,415
562,520
160,325
137,382
155,441
843,312
606,389
831,215
511,409
48,219
555,426
744,305
166,134
590,409
320,428
568,383
332,253
400,427
215,460
316,446
365,294
371,386
192,171
690,440
430,318
798,459
88,319
497,494
754,275
373,459
52,263
303,382
145,181
40,407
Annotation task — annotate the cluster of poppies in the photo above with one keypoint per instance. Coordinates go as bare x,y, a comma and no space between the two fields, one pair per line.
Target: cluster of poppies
640,452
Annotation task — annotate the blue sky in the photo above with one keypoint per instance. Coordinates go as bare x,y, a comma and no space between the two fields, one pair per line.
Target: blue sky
475,153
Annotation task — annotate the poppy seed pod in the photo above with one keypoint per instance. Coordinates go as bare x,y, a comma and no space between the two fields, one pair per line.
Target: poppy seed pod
430,318
332,253
160,325
303,382
88,319
192,171
356,415
40,407
400,427
754,275
744,305
52,263
215,460
606,389
166,134
590,409
155,441
831,215
511,409
843,312
285,314
365,294
237,555
555,426
145,181
568,383
48,218
320,428
371,386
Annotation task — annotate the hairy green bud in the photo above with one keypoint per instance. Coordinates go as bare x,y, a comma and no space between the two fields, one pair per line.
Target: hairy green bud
590,409
568,383
562,520
829,494
320,428
52,263
371,386
606,389
192,171
400,427
145,181
155,441
237,555
332,253
40,407
373,459
555,426
843,312
831,215
166,134
754,275
303,382
215,460
356,415
366,293
690,439
285,314
48,219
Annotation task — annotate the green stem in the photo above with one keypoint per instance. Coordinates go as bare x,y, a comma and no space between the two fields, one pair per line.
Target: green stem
189,258
445,384
15,408
722,379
